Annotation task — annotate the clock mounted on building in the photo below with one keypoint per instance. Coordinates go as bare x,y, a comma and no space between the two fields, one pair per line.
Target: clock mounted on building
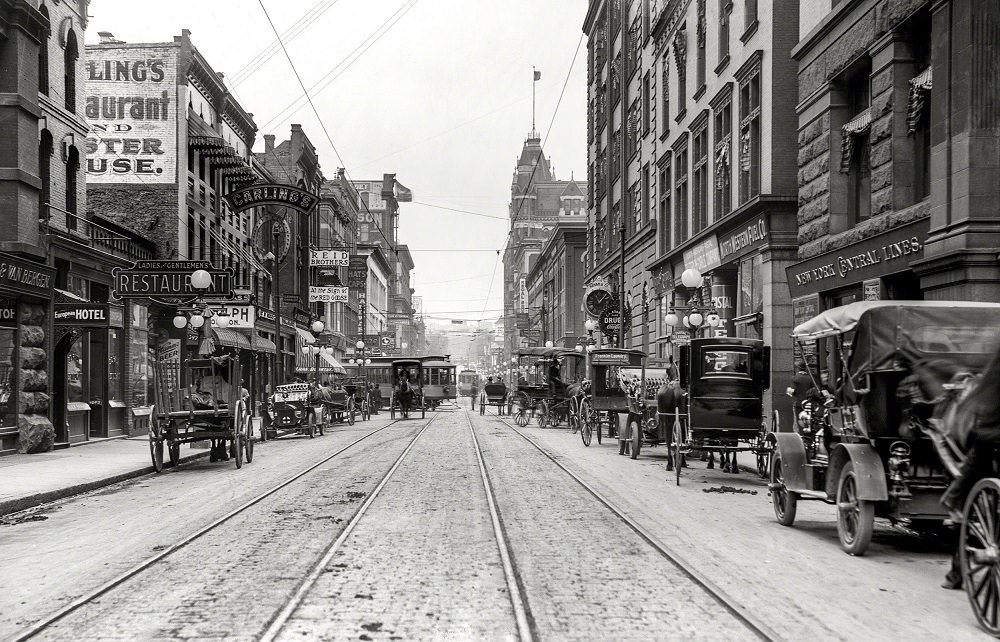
597,300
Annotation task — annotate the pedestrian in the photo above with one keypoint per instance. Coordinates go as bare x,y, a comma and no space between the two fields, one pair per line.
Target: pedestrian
671,368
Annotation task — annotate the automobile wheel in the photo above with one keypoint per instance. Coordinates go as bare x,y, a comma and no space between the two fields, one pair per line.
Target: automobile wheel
855,517
784,501
636,435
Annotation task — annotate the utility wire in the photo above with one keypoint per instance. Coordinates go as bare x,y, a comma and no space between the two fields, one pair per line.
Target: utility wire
326,132
453,209
544,140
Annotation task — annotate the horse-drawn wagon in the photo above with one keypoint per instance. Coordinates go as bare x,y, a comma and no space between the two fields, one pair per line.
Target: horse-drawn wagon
407,390
547,391
211,408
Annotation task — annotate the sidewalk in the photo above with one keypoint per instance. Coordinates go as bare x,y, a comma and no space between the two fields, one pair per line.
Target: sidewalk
30,480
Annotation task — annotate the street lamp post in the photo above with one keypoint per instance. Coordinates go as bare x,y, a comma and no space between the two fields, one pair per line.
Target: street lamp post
586,346
696,313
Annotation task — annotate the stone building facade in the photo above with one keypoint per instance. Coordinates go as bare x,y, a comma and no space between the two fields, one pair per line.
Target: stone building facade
555,282
690,166
539,201
898,150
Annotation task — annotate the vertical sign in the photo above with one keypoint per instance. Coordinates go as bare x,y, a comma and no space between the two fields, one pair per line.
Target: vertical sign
803,309
872,290
357,279
132,111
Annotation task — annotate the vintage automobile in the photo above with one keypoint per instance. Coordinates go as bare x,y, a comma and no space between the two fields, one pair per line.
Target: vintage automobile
291,413
723,380
862,445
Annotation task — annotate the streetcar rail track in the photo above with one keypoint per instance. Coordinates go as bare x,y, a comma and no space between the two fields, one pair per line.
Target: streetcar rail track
277,624
518,602
729,603
86,598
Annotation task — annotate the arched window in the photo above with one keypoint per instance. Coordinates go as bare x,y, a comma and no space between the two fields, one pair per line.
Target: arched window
72,169
44,172
69,71
43,56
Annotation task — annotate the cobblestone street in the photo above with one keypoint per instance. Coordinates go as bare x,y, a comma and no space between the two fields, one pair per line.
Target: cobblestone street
422,560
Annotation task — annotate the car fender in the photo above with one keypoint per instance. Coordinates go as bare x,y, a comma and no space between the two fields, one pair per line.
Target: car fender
868,469
792,451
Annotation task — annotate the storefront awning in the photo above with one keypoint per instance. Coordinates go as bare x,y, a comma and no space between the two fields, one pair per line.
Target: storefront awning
305,336
260,344
332,362
231,339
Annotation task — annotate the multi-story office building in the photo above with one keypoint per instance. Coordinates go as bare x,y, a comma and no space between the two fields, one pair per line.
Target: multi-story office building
337,227
538,203
898,147
689,166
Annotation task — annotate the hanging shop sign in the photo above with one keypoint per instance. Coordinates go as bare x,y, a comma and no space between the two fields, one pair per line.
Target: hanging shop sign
610,318
743,239
523,322
271,194
170,279
328,277
302,317
803,309
327,294
24,276
703,256
234,316
386,341
873,257
81,314
613,358
267,229
116,316
329,258
872,289
398,317
357,272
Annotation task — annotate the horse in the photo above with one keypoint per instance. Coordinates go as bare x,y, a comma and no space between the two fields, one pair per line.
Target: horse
405,394
670,398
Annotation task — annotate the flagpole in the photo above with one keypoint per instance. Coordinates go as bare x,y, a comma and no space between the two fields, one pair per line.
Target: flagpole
532,100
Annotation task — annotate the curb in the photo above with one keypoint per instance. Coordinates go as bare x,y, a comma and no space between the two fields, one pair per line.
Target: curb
31,501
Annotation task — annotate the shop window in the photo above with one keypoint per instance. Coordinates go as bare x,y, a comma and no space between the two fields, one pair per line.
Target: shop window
750,137
700,194
8,374
77,375
115,365
139,363
751,297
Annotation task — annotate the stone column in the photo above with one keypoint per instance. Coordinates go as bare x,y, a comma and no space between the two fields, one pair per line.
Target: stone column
36,431
960,258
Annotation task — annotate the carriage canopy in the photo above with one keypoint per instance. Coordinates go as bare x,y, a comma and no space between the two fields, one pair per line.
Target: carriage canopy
885,331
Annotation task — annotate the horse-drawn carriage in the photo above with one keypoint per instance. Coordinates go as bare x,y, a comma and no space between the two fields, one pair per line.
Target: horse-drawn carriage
338,405
878,444
407,391
357,389
546,395
719,406
493,394
211,408
290,411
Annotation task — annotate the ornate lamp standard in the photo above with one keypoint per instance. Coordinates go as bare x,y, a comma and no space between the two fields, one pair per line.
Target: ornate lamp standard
696,314
587,345
359,360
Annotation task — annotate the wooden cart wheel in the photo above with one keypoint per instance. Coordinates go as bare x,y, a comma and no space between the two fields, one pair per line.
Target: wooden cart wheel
636,434
423,408
596,420
979,559
248,437
238,447
586,423
392,405
855,517
572,415
156,445
543,414
350,413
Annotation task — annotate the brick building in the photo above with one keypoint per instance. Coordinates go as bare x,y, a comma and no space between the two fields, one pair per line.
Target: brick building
167,141
898,148
555,282
688,100
539,201
337,221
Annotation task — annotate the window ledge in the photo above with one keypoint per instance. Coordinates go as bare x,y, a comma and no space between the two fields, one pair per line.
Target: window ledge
680,115
701,92
665,134
749,31
722,65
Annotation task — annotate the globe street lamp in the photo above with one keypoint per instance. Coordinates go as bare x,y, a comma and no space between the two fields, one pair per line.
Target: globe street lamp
697,316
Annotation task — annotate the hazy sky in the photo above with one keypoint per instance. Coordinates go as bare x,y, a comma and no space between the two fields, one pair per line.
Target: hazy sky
442,99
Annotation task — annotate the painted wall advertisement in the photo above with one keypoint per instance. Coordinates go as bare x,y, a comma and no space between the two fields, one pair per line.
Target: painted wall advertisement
132,111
